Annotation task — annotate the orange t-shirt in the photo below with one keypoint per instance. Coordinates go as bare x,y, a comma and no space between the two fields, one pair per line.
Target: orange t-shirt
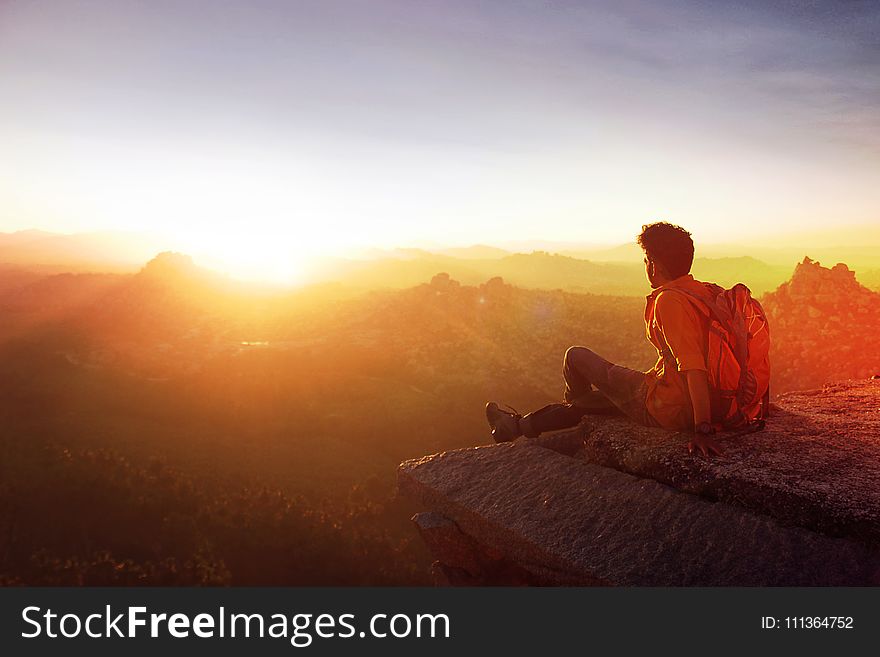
683,328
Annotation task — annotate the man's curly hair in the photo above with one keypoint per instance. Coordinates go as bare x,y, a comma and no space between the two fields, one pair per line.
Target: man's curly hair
669,245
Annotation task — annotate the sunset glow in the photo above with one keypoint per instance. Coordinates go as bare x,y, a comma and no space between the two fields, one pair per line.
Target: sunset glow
264,134
397,293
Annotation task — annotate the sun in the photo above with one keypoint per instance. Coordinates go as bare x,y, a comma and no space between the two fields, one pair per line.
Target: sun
255,256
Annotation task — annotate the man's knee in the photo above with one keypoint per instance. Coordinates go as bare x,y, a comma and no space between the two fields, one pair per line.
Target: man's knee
574,354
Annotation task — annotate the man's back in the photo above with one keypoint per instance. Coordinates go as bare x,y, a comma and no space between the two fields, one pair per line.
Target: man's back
677,329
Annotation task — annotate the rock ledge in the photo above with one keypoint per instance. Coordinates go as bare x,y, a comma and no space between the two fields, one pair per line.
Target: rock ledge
611,503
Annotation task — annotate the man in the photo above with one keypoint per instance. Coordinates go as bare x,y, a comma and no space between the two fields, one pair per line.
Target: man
674,394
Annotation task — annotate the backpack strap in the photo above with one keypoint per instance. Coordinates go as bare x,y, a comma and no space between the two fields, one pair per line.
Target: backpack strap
708,309
651,318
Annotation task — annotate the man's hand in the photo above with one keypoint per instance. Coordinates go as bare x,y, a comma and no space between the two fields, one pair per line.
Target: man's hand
698,389
706,444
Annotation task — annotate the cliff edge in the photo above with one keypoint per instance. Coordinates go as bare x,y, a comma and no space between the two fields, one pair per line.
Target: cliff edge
612,503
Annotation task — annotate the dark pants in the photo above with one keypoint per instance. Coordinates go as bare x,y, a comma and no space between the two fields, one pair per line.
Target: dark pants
593,386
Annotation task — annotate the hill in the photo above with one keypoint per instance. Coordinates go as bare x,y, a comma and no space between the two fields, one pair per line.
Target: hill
115,251
538,270
823,326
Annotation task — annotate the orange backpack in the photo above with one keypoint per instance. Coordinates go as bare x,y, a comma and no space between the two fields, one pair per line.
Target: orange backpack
738,355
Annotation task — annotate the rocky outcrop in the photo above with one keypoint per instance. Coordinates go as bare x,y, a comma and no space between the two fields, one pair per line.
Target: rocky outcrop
614,503
824,327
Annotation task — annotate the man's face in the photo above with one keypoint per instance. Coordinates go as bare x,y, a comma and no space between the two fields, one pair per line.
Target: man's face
651,273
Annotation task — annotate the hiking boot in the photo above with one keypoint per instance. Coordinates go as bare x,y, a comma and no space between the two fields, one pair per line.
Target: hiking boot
504,425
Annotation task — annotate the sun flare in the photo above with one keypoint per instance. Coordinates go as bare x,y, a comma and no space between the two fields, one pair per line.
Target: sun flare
249,255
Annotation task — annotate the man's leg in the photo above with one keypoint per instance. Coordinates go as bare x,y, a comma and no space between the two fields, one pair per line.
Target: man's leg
555,417
584,369
581,369
618,391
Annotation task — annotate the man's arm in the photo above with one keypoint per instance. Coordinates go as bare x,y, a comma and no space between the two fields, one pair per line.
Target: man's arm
698,388
682,330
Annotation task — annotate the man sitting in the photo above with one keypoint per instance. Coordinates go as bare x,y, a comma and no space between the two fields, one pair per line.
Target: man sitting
674,394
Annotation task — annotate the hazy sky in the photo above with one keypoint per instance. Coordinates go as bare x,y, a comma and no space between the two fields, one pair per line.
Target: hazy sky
276,127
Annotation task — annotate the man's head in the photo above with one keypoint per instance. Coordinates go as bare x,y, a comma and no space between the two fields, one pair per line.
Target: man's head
669,252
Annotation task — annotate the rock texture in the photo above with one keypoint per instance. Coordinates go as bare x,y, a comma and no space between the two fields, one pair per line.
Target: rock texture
824,327
613,503
816,465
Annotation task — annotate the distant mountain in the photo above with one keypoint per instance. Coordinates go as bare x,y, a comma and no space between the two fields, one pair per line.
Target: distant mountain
759,276
567,266
174,268
96,251
534,270
23,236
871,278
859,248
60,292
859,256
475,252
553,271
629,252
540,270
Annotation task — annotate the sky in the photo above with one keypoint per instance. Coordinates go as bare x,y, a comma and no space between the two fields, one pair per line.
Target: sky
265,131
